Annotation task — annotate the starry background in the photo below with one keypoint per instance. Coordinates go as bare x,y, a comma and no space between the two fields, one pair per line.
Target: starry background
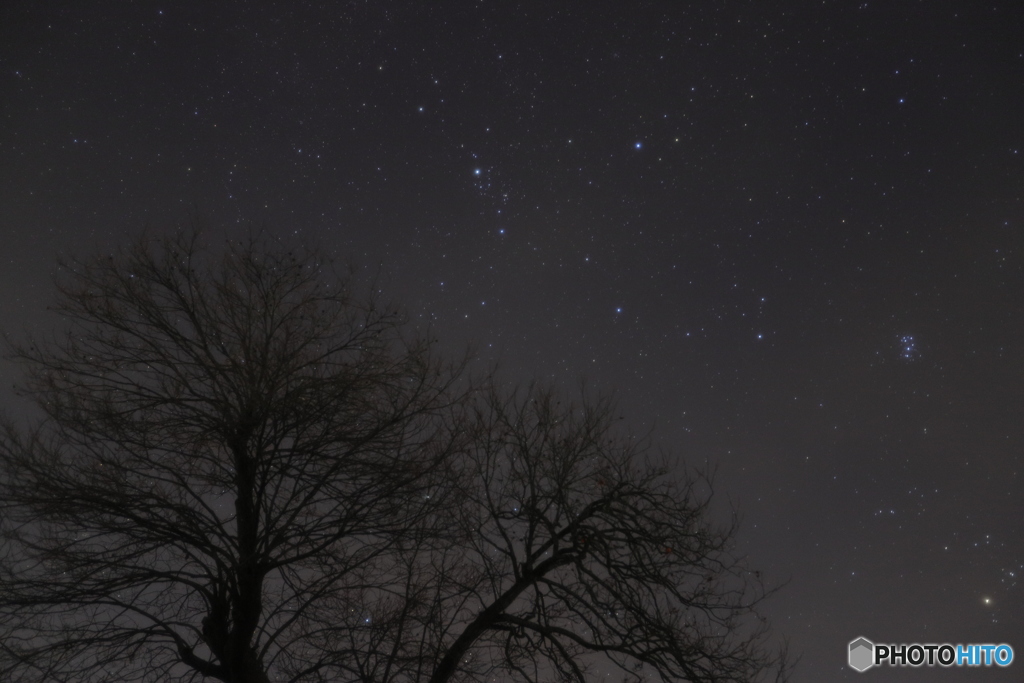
787,233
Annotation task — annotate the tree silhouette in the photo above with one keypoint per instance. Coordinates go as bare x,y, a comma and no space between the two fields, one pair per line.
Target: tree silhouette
246,473
571,550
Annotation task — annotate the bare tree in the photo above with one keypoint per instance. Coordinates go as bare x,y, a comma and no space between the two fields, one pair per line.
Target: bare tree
247,474
226,444
572,553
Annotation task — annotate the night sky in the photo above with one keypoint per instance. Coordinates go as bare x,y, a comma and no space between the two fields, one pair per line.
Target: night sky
788,234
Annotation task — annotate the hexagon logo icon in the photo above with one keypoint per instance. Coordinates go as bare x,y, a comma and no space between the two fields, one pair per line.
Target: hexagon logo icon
862,654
